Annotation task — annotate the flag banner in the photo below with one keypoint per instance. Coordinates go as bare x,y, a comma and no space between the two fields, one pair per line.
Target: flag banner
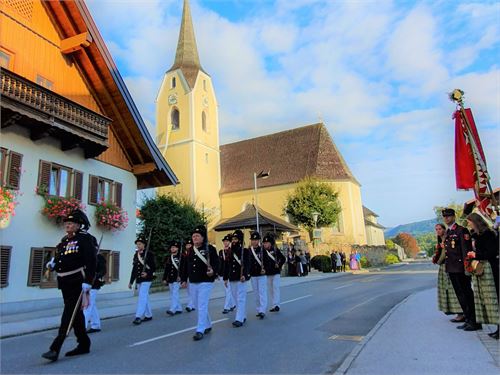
464,158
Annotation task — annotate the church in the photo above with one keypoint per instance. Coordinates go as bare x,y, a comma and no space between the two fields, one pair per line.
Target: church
219,179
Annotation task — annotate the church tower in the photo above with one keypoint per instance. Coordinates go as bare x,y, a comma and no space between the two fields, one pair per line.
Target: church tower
187,125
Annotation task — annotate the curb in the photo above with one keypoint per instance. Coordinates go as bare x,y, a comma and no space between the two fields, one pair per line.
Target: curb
346,365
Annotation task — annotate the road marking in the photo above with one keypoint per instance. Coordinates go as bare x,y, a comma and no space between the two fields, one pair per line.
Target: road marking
171,334
364,303
343,286
296,299
370,279
346,338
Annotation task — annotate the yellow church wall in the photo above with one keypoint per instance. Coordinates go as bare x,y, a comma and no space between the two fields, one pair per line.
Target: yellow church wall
204,101
33,31
180,162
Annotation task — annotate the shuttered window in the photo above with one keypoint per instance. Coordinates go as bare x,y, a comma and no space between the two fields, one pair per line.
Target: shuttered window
104,190
107,256
38,275
10,168
58,180
5,255
115,266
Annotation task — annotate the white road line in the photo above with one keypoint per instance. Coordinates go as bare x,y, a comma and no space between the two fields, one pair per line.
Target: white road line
343,286
171,334
296,299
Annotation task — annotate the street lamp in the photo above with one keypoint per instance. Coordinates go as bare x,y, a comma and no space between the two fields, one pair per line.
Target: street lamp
263,175
315,215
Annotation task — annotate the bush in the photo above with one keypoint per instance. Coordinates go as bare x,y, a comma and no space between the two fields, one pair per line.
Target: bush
391,259
316,262
326,264
364,262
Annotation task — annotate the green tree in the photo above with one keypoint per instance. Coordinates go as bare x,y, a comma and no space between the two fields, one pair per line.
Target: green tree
171,217
389,244
427,242
310,196
459,209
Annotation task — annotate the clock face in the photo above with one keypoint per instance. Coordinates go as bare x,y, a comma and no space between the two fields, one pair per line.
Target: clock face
172,99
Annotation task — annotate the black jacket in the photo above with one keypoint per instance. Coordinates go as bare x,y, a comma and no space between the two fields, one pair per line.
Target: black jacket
233,269
100,272
171,273
223,255
486,245
196,270
456,244
255,267
73,253
138,268
273,267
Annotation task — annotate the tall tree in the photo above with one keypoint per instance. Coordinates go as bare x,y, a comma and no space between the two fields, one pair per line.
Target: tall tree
311,196
408,243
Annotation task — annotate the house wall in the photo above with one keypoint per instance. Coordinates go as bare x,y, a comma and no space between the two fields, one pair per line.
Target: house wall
374,236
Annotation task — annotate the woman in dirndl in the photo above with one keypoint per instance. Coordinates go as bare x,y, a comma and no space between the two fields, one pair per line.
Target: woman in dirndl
485,283
447,299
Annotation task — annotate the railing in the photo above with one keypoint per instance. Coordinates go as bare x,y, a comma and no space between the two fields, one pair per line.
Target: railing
39,98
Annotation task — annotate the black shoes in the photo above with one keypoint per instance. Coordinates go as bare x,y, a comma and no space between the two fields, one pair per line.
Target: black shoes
494,335
137,321
232,308
473,327
147,318
208,330
77,351
225,311
198,336
238,324
171,313
178,312
454,320
462,326
51,355
92,330
275,309
260,316
189,309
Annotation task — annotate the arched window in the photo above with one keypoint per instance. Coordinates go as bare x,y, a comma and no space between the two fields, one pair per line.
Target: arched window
173,83
203,121
174,118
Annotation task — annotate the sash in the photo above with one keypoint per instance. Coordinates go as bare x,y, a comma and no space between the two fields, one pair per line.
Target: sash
199,255
256,257
271,256
173,262
142,261
236,258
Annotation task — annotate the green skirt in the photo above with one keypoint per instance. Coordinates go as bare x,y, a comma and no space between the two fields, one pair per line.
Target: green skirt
485,296
447,299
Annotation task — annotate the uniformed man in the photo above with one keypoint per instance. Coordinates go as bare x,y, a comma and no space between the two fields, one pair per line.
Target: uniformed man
236,274
172,277
75,264
258,274
229,304
91,312
201,272
191,303
273,262
457,244
143,271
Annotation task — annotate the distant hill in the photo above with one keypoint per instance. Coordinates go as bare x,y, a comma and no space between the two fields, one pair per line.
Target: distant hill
416,228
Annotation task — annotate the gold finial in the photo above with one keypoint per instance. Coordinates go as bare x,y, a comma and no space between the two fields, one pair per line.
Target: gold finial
456,96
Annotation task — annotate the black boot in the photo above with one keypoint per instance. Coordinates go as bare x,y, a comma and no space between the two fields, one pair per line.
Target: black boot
77,351
51,355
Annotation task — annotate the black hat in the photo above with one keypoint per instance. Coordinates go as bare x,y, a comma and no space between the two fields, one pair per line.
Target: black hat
238,234
200,229
142,239
177,244
269,237
189,241
78,216
255,236
448,212
227,237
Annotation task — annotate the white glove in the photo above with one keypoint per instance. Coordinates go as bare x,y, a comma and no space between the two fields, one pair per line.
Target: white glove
86,287
51,264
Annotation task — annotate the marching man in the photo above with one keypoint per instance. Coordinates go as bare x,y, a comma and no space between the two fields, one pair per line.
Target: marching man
191,303
258,274
172,277
273,261
224,255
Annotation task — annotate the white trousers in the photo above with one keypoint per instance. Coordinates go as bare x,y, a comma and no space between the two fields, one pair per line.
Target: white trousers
239,293
191,302
91,313
229,301
175,302
143,306
273,285
201,294
259,285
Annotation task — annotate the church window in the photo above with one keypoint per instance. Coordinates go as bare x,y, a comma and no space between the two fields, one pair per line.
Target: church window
174,83
204,122
174,118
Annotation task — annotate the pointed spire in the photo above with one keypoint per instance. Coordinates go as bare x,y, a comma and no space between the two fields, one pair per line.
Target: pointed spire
186,56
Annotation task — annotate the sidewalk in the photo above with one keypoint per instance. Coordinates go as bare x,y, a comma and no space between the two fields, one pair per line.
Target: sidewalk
111,307
415,338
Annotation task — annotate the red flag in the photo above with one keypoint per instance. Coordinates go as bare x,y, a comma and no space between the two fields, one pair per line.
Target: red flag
464,160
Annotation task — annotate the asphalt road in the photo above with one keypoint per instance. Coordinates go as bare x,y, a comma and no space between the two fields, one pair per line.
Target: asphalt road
315,330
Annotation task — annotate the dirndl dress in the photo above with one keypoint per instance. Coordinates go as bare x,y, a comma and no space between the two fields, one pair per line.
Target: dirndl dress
485,296
447,298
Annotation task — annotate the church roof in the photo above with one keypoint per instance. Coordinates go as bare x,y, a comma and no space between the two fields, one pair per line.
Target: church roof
290,156
186,56
368,212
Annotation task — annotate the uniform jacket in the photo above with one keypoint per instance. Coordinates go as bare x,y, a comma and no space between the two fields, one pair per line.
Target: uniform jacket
138,267
255,267
486,245
456,244
232,269
270,264
196,270
223,255
76,252
171,273
100,272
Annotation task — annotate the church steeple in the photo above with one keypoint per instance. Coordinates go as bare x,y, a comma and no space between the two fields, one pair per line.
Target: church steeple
186,56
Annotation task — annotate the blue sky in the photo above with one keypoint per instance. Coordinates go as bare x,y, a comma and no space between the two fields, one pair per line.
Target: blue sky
376,72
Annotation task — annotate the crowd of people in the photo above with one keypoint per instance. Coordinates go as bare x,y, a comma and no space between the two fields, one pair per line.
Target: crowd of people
468,260
298,262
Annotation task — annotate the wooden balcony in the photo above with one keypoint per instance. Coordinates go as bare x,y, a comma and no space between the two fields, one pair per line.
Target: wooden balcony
46,113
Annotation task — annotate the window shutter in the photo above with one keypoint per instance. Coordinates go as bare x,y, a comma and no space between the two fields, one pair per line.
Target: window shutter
115,268
4,265
93,186
118,194
3,163
14,172
36,266
44,175
77,185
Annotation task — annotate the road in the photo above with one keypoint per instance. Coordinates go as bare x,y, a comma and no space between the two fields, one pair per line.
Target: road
319,325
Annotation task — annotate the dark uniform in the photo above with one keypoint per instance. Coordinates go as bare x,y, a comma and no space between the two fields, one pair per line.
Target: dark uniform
224,254
258,274
273,262
172,277
457,244
75,264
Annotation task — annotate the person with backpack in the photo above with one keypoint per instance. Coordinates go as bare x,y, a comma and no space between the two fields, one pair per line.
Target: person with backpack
91,313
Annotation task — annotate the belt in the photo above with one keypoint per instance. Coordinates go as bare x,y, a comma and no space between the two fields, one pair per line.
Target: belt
62,274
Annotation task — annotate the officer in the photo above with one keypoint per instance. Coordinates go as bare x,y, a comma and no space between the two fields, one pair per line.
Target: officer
172,277
201,271
224,254
91,313
273,261
75,264
191,303
258,273
143,272
236,274
457,244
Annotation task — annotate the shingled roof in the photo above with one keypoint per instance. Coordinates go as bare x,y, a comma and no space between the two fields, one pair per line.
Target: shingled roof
291,155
